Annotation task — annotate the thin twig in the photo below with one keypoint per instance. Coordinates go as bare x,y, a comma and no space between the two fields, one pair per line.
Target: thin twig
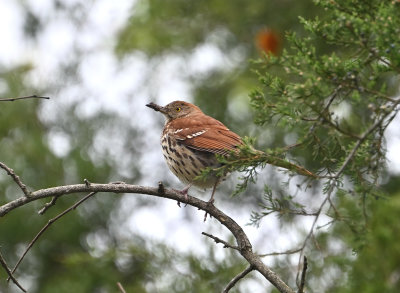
9,273
16,178
54,200
218,240
332,205
48,205
331,98
291,251
311,232
237,278
120,287
292,146
23,98
303,275
323,118
325,225
51,221
361,140
315,241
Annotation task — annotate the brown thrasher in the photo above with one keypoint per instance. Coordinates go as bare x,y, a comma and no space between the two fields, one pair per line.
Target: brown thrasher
191,140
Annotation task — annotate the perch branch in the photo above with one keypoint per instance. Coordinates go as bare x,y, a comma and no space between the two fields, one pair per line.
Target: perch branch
242,240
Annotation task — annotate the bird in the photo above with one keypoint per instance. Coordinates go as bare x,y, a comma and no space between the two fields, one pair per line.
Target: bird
191,141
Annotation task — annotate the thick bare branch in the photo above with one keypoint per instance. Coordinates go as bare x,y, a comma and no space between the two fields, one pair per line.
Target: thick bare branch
242,240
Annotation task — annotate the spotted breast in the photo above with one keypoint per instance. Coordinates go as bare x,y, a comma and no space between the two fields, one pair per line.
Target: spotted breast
185,162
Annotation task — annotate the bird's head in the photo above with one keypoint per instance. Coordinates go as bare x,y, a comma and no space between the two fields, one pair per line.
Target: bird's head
176,109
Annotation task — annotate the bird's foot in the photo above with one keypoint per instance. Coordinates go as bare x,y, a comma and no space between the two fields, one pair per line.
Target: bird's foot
210,203
184,192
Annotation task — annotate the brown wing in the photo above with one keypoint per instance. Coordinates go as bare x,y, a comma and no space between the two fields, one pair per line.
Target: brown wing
204,133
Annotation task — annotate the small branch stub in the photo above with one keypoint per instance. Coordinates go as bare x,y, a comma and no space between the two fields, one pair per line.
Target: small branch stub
161,189
48,205
87,182
218,240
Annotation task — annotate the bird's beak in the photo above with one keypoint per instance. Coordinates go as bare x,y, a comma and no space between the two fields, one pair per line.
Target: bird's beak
157,108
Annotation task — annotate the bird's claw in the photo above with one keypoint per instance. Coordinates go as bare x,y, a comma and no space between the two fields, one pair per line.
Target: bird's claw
183,192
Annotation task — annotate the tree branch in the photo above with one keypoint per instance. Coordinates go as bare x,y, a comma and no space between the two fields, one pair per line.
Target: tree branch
242,240
290,251
48,205
303,275
49,223
342,168
218,240
121,288
9,273
16,178
23,98
237,278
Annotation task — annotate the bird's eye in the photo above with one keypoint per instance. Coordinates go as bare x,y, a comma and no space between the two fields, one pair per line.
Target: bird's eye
178,109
